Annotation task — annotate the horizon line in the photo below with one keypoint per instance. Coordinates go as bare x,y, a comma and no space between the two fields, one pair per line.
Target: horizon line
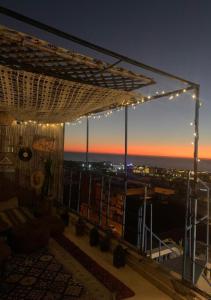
182,157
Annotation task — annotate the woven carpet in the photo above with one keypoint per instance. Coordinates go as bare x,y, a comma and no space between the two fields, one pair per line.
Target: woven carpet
38,277
107,279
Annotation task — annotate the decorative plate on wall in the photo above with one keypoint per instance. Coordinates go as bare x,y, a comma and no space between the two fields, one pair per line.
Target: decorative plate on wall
25,153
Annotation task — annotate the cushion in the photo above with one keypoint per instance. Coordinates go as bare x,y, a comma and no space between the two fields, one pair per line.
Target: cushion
26,239
15,216
9,204
5,251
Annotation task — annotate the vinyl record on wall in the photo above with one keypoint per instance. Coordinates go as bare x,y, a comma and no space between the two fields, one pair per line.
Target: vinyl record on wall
25,153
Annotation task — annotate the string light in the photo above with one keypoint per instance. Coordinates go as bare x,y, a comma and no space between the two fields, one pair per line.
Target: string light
133,105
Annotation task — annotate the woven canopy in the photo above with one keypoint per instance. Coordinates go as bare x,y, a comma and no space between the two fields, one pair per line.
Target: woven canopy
39,81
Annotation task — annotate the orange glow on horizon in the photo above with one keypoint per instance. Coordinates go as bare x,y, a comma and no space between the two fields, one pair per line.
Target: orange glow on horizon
182,151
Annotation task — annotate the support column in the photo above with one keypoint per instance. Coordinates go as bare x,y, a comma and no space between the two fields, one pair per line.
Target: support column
89,196
125,169
62,172
101,201
79,193
108,202
87,141
196,138
144,232
151,230
70,189
195,168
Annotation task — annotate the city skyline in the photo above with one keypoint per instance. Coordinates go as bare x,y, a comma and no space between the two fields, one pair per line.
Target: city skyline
171,35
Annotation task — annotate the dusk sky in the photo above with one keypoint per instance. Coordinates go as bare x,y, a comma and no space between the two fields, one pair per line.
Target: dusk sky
174,35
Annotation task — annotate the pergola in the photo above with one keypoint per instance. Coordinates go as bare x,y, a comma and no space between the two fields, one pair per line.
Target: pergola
45,84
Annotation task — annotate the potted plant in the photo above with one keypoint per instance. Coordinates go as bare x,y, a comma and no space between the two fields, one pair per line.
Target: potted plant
119,256
106,241
94,236
64,215
80,227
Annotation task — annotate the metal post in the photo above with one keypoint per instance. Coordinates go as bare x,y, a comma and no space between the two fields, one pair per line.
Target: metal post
208,227
186,236
101,201
108,202
190,224
87,141
70,189
194,242
89,196
195,168
145,250
144,217
196,137
61,183
126,140
79,193
151,230
125,166
159,250
139,227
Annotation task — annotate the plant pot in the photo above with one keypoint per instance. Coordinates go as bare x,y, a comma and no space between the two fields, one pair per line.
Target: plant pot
119,256
105,244
80,227
94,237
65,218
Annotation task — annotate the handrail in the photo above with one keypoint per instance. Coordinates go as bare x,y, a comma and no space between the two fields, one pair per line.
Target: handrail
161,241
100,173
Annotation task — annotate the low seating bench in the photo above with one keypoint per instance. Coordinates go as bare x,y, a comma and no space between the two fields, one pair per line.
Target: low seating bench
27,233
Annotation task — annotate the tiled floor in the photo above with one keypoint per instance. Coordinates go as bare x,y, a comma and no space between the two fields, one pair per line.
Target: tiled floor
143,289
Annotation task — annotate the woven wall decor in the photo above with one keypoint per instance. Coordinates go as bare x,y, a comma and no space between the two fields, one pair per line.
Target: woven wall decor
44,144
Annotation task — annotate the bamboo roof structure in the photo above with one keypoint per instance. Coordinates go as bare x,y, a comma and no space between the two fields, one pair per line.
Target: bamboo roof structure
42,82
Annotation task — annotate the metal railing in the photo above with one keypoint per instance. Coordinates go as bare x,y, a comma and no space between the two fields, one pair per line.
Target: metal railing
164,250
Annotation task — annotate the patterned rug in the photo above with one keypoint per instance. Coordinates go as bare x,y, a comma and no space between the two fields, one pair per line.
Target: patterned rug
38,277
107,279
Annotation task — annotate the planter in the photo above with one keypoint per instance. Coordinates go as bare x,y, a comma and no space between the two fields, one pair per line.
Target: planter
65,218
80,227
94,237
106,241
119,256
